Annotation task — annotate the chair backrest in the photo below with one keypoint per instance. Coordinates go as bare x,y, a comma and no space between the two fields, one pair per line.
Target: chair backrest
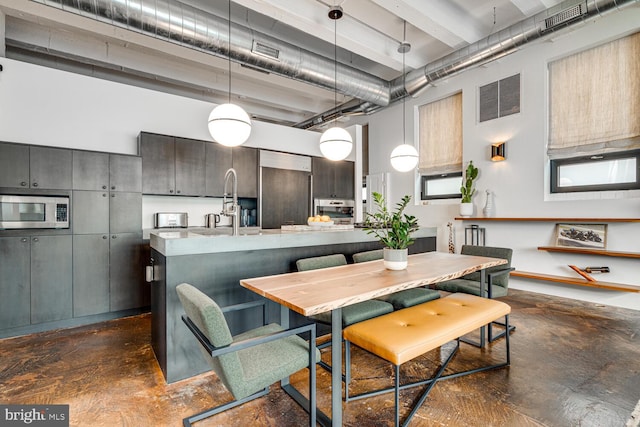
208,317
368,255
318,262
492,252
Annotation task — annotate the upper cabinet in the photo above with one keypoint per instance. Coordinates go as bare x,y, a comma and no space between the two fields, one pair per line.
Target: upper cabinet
186,167
333,180
24,166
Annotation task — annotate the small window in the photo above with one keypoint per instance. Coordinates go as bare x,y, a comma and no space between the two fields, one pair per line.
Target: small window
441,186
602,172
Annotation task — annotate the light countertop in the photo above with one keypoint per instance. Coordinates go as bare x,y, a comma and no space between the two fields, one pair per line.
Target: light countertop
192,241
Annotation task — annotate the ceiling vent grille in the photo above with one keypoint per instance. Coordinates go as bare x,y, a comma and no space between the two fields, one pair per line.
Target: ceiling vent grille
565,16
265,50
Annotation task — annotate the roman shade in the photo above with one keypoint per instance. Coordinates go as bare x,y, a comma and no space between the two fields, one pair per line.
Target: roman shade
594,100
440,133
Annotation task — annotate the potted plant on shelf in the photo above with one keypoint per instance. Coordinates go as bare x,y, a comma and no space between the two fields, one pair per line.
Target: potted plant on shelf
393,230
467,190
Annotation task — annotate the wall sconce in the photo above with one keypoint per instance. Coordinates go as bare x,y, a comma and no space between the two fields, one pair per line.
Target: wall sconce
498,151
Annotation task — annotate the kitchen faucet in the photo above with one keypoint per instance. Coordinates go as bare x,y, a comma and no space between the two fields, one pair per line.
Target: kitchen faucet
234,210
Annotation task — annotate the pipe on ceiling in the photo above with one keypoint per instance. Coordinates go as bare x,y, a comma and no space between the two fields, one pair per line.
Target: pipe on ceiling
187,26
551,21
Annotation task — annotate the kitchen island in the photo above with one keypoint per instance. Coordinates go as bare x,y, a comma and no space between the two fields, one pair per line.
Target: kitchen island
215,262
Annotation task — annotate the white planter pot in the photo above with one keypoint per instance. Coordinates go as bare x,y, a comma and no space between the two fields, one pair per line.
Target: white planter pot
395,259
466,209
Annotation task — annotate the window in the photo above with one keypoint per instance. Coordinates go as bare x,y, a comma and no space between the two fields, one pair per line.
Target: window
440,139
443,186
615,171
594,118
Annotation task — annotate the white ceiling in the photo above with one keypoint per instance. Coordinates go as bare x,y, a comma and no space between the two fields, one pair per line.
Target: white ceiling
367,36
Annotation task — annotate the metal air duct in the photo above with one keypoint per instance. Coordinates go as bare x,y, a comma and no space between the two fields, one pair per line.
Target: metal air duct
187,26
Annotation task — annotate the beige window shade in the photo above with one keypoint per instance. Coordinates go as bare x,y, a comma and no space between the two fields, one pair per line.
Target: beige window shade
440,133
595,100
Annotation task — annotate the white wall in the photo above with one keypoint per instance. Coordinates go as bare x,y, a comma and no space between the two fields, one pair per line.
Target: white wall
520,183
43,106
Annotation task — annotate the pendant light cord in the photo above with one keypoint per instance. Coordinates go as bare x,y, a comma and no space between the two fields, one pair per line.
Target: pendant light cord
335,71
404,87
229,53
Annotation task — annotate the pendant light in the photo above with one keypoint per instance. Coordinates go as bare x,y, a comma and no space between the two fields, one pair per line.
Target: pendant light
335,142
229,124
405,156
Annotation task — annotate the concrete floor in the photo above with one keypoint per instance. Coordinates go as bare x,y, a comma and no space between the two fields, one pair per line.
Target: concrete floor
573,364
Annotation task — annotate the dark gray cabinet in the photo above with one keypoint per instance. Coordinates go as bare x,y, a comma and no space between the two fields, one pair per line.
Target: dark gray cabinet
50,168
245,162
217,162
126,284
125,173
190,167
125,212
15,280
333,179
24,166
90,171
172,166
90,212
14,165
51,278
90,274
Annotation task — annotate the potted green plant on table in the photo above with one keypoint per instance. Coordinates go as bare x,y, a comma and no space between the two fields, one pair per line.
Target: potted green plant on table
393,229
467,190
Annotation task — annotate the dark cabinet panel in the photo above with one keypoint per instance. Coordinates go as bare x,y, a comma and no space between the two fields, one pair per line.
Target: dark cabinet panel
289,204
90,212
189,167
14,165
51,278
245,162
50,168
125,212
15,279
158,164
127,287
90,274
333,179
90,171
217,162
125,173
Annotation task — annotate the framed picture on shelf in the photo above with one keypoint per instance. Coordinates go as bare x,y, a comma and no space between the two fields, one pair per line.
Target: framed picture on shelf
585,236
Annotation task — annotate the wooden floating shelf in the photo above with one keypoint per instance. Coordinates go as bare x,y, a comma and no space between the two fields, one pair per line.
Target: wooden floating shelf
617,254
575,281
567,220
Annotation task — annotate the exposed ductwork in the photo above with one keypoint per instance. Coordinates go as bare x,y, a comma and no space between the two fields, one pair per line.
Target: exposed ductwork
495,46
179,23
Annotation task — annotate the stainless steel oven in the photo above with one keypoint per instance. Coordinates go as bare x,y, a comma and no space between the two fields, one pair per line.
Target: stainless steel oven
340,210
24,212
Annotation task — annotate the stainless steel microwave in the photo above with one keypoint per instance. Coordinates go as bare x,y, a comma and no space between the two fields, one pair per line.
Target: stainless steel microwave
21,212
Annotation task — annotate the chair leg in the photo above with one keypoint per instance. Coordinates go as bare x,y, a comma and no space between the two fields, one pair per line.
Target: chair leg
187,422
509,328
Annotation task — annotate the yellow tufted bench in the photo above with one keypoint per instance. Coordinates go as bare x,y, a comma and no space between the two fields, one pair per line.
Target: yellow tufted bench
406,334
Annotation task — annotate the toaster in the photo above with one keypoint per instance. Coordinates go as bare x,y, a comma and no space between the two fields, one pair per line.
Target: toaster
170,220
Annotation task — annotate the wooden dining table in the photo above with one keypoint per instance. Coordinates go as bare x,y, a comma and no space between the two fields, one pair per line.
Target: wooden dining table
331,289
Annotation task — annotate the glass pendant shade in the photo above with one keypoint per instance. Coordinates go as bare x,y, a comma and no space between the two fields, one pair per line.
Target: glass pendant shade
229,125
404,158
335,143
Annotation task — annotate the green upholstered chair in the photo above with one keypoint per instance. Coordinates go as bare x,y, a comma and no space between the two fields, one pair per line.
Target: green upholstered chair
248,363
497,279
352,313
402,299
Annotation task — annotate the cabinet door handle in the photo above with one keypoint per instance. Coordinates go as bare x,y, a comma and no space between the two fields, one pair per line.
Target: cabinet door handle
170,191
104,194
178,191
104,237
104,187
114,236
35,239
113,195
113,187
35,184
23,184
23,240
